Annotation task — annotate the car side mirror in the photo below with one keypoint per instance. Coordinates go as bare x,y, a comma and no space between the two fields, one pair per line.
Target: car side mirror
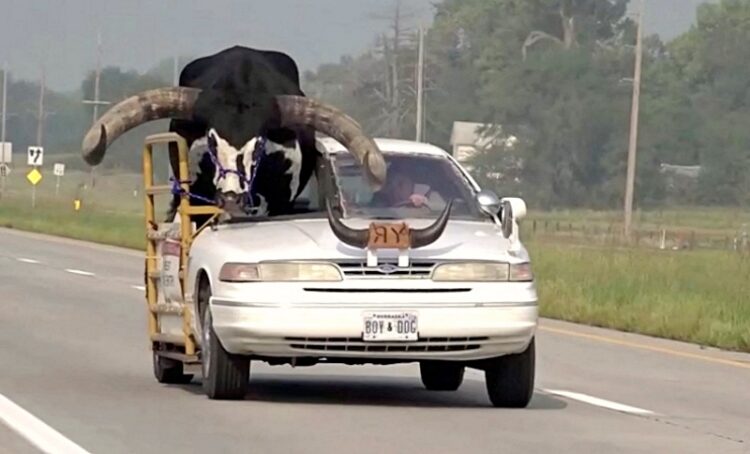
489,202
514,209
518,206
506,219
492,205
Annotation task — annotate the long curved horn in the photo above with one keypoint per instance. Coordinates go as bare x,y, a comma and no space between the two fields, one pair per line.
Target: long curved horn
430,234
299,110
352,237
360,237
169,102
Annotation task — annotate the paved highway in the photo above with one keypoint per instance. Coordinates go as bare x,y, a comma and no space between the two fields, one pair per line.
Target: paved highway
76,377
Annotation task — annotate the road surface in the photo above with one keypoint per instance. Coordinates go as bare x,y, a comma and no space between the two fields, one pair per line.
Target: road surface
76,377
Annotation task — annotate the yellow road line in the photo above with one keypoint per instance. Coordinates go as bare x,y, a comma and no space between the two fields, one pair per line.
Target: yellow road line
668,351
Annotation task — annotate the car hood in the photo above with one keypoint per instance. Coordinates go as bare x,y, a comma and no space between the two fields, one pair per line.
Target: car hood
312,239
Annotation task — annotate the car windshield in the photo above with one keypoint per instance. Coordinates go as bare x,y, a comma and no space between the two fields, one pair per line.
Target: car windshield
417,186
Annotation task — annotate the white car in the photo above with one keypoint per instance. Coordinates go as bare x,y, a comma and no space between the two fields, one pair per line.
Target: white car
289,290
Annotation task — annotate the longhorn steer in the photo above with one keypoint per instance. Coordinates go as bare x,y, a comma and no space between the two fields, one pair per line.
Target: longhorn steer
226,105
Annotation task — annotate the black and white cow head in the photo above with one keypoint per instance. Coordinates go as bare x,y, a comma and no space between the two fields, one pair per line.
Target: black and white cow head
228,102
264,176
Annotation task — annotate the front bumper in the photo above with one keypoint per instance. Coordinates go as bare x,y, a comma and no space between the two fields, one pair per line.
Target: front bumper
452,326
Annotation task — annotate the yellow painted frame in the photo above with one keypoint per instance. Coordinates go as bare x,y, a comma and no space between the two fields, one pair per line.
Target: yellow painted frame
185,211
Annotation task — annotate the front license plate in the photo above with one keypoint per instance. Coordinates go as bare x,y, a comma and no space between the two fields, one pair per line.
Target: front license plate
390,326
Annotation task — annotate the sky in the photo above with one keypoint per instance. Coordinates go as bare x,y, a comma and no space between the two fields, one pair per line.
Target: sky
136,34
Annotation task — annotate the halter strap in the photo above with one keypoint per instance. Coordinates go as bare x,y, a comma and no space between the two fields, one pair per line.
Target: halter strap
259,152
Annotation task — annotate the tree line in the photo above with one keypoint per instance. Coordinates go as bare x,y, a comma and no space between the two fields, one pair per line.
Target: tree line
557,76
554,74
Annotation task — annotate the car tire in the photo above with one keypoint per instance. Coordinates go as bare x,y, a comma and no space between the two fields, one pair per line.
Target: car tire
225,375
510,378
170,371
441,375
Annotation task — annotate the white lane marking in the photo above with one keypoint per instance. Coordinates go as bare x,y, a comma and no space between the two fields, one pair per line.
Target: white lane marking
475,374
79,272
138,287
25,260
599,402
34,430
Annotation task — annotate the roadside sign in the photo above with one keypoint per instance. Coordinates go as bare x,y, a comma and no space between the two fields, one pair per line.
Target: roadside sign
34,176
59,169
4,170
6,152
35,156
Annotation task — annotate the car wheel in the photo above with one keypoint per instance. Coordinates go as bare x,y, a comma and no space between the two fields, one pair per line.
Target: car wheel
510,378
441,375
225,376
170,371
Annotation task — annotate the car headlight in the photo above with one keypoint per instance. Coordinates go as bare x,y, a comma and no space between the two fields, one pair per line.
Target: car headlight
482,272
279,272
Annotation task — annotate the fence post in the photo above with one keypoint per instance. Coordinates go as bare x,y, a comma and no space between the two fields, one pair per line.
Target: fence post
533,226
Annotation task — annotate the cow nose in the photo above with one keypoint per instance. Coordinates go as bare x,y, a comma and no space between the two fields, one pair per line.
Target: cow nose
230,202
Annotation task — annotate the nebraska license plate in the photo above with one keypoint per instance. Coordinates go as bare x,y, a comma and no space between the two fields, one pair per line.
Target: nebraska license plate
390,326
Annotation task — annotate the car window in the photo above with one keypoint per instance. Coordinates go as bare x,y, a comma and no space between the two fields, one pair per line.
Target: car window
416,186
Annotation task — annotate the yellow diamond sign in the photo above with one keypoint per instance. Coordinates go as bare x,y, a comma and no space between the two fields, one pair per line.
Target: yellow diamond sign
34,176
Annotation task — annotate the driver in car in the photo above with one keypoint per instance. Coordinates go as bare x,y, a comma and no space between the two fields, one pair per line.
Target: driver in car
399,190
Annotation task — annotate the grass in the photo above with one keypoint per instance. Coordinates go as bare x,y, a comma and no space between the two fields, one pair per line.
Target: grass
694,296
55,217
112,211
719,220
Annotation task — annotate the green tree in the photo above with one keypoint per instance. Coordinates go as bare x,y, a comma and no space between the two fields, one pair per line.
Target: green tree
115,85
710,60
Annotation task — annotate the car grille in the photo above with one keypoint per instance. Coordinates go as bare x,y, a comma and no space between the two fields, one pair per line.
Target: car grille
387,290
354,344
358,269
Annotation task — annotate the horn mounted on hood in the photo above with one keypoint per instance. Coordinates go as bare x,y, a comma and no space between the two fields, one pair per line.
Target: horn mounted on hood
417,237
178,103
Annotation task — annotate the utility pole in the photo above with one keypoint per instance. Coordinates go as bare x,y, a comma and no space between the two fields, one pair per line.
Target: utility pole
4,105
176,71
396,93
98,75
420,87
633,145
393,110
41,113
4,113
96,102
